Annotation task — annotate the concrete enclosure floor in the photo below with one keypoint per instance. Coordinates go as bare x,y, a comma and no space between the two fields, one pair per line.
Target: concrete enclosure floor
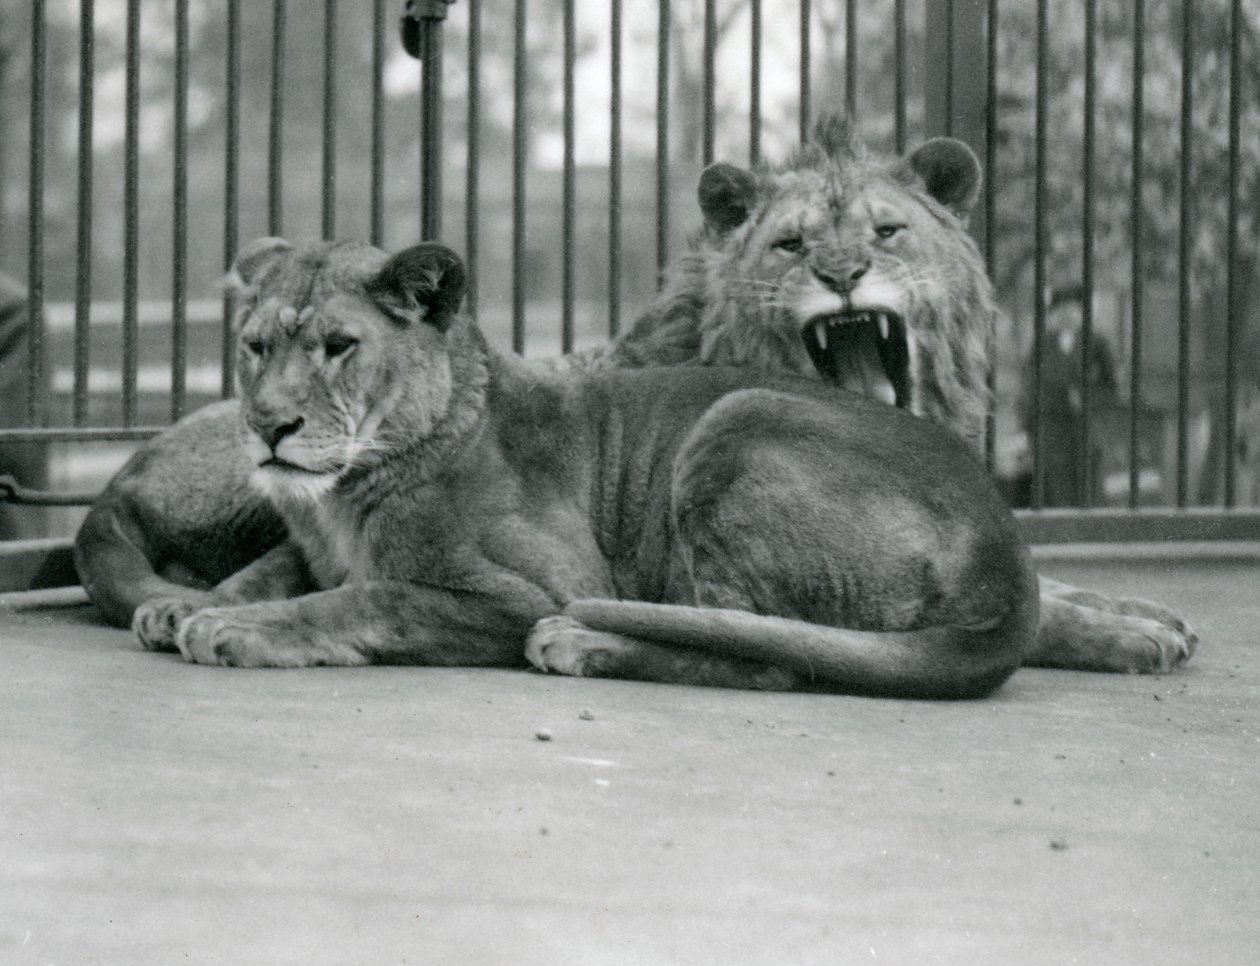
153,812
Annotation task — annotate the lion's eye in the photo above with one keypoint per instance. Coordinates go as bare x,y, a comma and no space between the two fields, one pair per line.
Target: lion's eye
794,244
256,347
338,345
888,229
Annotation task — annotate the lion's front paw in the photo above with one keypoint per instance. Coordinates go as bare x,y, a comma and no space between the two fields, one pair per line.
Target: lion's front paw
215,636
1087,639
1154,646
563,645
156,622
1135,607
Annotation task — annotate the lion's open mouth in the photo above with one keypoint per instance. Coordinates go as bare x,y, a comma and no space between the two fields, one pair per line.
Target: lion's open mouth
863,351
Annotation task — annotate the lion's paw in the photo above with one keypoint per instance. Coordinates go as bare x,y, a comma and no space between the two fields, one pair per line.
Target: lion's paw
214,636
156,622
563,645
1154,646
1135,607
1086,639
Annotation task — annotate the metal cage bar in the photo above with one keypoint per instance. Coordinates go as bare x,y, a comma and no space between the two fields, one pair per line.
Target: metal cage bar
179,225
231,185
472,175
83,258
275,142
662,136
568,175
36,389
328,173
614,169
1185,254
1088,230
1137,289
1233,316
376,176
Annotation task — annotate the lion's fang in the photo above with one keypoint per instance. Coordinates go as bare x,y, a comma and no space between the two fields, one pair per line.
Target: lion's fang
820,332
883,326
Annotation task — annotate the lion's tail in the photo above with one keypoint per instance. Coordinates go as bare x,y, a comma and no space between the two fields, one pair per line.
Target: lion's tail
946,661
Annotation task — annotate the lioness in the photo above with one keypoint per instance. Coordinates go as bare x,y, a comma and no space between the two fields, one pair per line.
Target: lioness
446,504
836,264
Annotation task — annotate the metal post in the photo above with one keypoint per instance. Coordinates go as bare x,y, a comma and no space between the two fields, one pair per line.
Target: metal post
421,28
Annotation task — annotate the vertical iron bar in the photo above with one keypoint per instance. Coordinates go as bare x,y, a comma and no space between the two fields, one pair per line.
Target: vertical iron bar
662,139
710,80
1232,320
179,229
131,217
275,146
754,94
472,187
1039,256
614,175
899,80
520,115
949,68
376,203
36,386
83,261
431,128
1137,294
806,65
567,186
328,223
1185,255
850,57
231,181
990,214
1087,252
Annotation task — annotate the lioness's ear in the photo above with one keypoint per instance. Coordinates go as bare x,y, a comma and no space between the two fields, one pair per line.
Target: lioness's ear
950,171
252,261
424,282
726,195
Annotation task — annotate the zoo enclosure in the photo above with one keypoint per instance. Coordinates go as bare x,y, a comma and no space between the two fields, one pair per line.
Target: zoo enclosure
160,135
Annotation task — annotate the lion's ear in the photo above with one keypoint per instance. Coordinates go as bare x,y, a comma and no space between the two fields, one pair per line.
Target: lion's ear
252,261
422,283
950,171
726,195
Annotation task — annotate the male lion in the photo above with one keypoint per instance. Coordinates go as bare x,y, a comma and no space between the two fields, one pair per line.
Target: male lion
449,505
837,264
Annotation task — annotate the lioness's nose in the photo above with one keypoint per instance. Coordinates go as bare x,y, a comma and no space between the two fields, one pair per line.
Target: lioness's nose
273,433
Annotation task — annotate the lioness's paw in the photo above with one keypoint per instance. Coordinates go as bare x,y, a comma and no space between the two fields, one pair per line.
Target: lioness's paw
156,622
213,636
563,645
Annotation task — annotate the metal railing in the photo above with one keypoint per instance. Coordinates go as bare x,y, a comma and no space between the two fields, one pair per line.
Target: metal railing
989,71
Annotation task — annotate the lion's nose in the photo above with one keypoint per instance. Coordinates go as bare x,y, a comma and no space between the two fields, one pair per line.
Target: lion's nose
273,433
842,278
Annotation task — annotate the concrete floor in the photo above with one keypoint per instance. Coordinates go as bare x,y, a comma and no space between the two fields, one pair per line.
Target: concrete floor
154,812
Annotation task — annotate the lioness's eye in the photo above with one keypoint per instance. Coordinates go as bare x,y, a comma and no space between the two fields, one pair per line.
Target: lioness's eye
888,229
255,346
338,345
791,243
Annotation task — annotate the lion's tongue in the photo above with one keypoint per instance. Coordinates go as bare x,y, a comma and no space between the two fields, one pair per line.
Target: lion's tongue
854,351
